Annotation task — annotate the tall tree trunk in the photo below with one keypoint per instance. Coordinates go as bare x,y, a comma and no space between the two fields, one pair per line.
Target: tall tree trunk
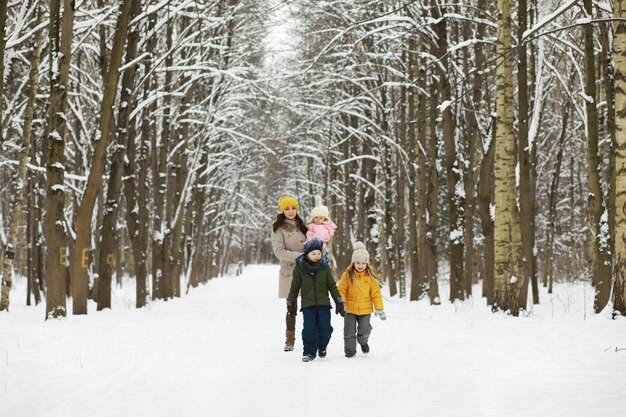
619,47
110,240
456,194
35,220
432,205
601,252
472,136
417,288
61,31
146,159
161,237
506,294
524,157
386,230
422,186
552,200
18,204
368,205
78,269
3,21
609,88
399,238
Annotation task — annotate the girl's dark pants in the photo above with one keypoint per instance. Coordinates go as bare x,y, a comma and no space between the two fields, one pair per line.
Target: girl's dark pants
317,329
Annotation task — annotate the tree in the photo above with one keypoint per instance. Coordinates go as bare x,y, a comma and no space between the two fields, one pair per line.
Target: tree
18,204
601,252
505,261
78,276
61,32
619,45
109,225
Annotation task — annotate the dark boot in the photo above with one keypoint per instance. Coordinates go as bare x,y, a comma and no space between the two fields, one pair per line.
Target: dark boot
291,339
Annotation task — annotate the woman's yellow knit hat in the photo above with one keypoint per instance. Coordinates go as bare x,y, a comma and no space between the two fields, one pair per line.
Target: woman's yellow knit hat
287,201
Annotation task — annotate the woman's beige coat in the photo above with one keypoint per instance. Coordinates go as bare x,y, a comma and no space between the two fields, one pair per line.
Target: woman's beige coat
287,243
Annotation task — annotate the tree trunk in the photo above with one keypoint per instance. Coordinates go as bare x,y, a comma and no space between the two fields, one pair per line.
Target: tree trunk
18,204
431,200
148,137
422,185
110,239
472,135
524,157
399,238
507,285
417,288
619,45
61,31
601,255
456,195
3,20
161,237
83,219
552,200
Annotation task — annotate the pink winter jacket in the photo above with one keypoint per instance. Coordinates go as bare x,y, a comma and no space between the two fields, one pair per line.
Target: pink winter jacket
323,231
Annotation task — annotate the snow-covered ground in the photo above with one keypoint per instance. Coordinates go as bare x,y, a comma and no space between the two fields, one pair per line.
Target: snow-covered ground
218,352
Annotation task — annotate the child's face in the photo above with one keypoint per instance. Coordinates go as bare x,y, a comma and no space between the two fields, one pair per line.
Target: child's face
290,212
360,266
315,255
318,220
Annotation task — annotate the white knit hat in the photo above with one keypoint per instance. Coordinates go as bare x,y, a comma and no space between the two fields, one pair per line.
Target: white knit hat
320,211
359,253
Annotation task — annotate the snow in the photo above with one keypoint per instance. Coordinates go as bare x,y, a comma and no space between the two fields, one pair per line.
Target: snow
604,230
456,235
443,106
218,351
544,20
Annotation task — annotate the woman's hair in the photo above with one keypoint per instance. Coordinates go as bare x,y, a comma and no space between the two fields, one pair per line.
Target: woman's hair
368,268
280,220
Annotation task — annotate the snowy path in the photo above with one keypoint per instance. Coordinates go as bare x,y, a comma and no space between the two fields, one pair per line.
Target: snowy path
217,352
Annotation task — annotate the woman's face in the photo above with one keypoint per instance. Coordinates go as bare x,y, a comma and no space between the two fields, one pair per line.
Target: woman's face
290,212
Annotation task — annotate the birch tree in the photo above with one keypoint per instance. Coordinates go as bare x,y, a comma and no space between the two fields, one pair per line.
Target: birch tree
506,282
619,45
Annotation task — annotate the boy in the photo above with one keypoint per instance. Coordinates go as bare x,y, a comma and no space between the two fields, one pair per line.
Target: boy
313,279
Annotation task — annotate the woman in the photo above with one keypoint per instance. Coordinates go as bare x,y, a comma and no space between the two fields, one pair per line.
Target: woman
288,235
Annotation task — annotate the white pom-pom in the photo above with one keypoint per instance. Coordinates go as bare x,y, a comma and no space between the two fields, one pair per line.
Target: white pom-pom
358,245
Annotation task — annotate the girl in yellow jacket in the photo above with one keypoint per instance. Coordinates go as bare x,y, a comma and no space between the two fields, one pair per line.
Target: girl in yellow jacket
360,289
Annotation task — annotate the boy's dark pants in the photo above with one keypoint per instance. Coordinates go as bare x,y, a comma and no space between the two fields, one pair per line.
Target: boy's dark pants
317,329
350,335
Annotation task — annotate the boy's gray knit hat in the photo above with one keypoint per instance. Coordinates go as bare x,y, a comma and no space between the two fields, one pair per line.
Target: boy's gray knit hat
360,254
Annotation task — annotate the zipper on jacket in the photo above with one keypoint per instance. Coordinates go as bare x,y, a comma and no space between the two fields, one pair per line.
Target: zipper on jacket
315,286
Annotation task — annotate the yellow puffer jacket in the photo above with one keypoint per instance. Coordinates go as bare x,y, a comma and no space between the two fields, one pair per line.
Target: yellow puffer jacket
360,293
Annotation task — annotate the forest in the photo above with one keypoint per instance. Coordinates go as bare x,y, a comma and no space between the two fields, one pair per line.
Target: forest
478,142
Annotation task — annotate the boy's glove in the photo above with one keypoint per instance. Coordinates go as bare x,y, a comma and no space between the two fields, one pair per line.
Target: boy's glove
381,314
340,307
292,307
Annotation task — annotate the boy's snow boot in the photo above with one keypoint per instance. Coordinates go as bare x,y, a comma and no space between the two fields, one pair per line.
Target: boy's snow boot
321,353
349,354
365,348
307,358
291,339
